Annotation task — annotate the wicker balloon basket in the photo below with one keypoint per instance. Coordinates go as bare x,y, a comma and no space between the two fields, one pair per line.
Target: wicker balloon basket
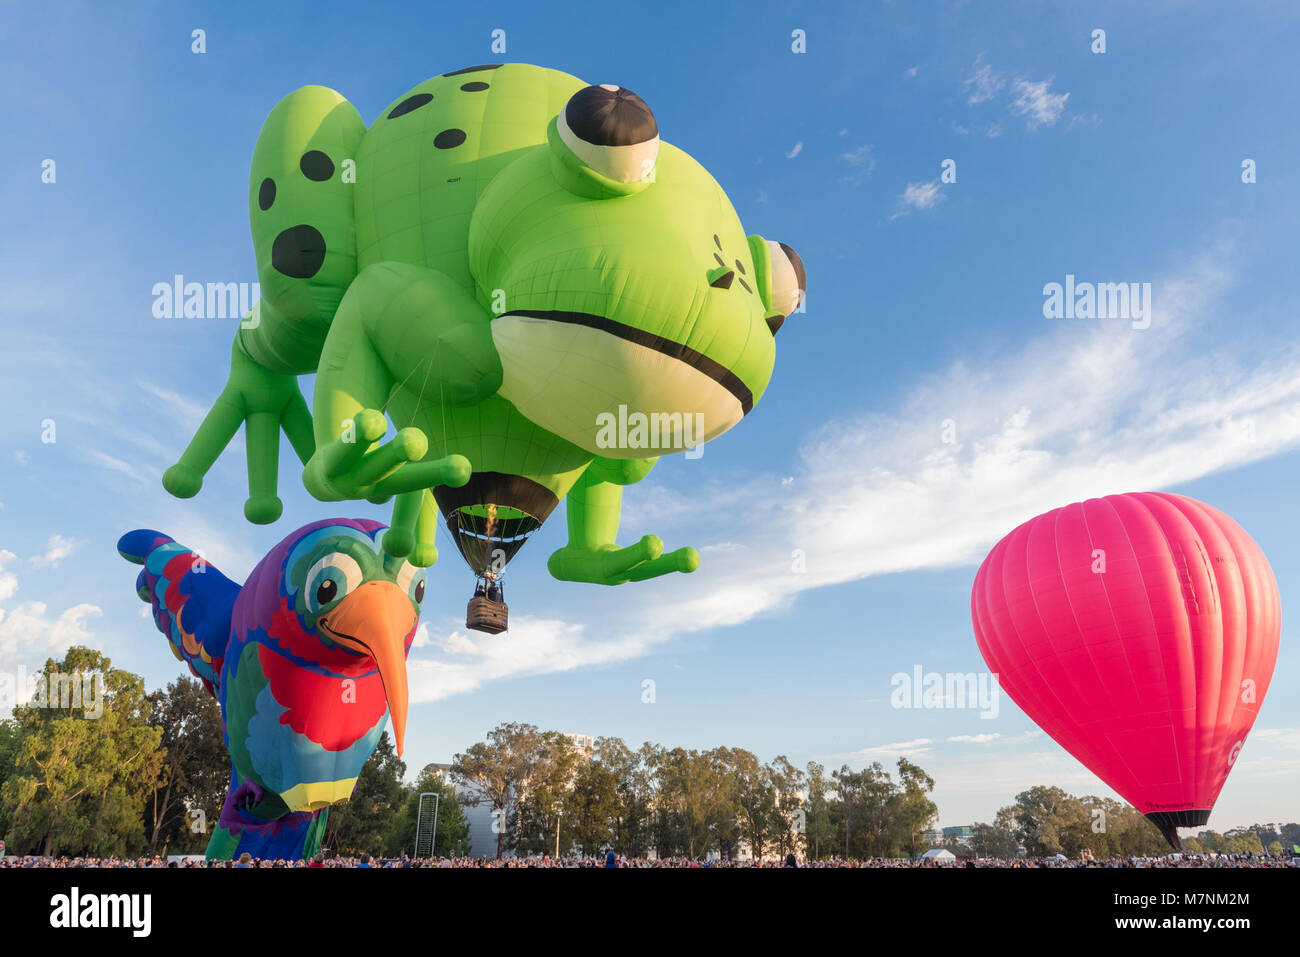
484,614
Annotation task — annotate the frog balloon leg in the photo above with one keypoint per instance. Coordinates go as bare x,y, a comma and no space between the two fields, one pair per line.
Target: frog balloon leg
515,258
301,211
594,507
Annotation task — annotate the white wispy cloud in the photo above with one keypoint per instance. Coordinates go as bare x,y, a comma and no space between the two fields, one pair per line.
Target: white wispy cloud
29,634
993,737
1288,739
1037,103
183,410
57,548
918,196
798,148
862,162
1031,99
8,580
536,646
896,750
984,83
143,475
29,626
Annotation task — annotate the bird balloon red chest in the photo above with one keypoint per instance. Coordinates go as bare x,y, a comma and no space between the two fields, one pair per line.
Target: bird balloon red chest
361,699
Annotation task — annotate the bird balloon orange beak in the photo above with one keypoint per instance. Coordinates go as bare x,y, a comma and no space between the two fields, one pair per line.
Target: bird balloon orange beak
374,620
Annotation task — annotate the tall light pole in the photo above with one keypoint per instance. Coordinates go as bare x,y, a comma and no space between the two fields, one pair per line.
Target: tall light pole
558,814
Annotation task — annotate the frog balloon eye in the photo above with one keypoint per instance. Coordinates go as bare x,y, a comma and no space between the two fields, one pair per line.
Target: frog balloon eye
611,130
330,579
411,580
789,284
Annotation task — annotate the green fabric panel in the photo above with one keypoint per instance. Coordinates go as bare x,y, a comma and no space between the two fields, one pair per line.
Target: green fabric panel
310,120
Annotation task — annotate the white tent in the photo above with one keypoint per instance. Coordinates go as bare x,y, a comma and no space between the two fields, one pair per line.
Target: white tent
938,854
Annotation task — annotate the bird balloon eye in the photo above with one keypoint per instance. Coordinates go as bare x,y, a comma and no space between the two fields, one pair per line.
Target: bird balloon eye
411,580
331,578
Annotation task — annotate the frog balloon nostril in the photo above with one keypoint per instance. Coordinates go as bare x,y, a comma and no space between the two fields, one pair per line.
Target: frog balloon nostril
298,252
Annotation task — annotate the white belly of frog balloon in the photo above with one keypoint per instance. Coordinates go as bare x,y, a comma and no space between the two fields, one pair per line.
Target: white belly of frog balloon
614,396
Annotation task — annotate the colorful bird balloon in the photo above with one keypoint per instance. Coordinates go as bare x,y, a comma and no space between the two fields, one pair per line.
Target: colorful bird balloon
307,660
1140,632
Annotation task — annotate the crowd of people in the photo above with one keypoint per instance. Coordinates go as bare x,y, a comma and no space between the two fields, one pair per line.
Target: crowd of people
616,861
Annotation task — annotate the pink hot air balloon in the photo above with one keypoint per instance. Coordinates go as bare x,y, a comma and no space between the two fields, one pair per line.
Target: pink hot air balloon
1140,632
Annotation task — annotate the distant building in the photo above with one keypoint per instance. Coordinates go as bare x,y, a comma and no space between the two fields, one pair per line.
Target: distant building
583,742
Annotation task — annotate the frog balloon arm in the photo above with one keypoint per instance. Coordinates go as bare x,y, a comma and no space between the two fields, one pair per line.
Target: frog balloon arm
593,508
413,529
443,342
264,401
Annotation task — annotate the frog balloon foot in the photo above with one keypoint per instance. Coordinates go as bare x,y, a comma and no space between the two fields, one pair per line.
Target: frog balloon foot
612,565
263,509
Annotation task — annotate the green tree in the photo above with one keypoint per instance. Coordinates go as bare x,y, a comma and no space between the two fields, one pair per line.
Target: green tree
697,801
451,836
595,807
664,831
183,809
994,840
864,800
11,738
1242,840
1049,821
1117,829
913,811
630,828
819,828
791,820
755,799
87,763
498,771
545,799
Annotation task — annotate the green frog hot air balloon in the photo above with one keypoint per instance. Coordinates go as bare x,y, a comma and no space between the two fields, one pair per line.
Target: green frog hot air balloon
540,293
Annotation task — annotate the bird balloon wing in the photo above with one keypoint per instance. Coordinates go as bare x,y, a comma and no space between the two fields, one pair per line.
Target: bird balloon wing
192,601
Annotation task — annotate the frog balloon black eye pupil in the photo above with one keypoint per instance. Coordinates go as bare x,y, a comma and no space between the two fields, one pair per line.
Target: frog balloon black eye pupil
327,591
419,590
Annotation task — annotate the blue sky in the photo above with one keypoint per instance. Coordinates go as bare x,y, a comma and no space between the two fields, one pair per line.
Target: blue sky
925,305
